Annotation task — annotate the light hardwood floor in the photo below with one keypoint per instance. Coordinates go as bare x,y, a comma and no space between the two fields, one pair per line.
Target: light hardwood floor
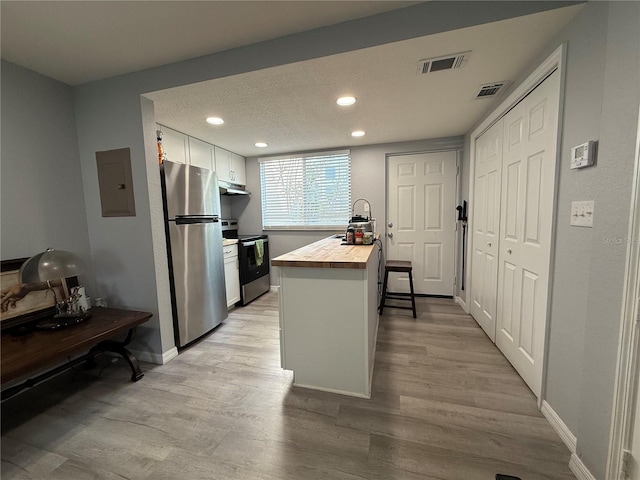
445,405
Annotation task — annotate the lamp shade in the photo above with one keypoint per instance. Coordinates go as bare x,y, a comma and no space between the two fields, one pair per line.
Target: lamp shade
50,265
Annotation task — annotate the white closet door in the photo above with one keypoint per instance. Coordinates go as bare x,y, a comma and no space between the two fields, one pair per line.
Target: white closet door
528,181
486,224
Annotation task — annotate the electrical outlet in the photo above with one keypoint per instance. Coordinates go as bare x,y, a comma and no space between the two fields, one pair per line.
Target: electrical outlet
582,213
366,207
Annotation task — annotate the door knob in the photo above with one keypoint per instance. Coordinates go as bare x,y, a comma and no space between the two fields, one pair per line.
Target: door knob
509,251
488,244
390,234
390,225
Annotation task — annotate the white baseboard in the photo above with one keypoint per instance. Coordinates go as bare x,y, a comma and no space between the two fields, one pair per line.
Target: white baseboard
559,426
274,288
575,464
332,390
157,358
462,303
579,469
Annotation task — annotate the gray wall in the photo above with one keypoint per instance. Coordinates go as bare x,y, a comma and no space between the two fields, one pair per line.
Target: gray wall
41,188
602,94
130,256
609,184
601,103
368,180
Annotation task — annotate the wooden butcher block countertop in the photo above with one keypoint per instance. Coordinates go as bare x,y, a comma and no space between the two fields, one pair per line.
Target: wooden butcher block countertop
327,253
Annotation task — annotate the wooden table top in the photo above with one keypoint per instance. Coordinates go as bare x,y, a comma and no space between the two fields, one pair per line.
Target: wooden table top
327,253
21,355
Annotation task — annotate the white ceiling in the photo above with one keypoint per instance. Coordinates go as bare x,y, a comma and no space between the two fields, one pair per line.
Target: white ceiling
79,41
291,107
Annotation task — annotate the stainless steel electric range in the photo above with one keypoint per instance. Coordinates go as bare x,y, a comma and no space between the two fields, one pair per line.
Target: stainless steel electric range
253,257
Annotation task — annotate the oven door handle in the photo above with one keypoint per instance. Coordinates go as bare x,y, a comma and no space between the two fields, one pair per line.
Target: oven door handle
251,244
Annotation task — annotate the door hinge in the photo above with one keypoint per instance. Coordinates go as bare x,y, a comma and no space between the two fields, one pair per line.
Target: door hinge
626,460
455,281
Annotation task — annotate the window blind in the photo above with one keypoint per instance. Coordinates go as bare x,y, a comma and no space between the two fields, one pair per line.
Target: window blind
306,191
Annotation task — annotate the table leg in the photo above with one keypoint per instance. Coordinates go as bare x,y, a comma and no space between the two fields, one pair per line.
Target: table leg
119,348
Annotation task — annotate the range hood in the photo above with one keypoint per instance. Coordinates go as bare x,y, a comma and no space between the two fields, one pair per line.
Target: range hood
227,188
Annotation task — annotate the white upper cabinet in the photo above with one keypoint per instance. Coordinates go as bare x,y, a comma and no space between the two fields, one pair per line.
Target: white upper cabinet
181,148
238,169
223,162
230,167
175,145
201,154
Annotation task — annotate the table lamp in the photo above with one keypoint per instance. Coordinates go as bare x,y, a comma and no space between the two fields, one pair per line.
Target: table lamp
52,265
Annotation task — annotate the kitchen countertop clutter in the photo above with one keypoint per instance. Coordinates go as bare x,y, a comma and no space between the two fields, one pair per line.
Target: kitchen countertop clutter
327,253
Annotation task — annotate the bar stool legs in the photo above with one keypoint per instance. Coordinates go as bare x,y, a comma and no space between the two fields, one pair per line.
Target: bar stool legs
398,266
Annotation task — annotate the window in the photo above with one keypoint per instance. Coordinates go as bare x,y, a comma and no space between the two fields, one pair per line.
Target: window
306,191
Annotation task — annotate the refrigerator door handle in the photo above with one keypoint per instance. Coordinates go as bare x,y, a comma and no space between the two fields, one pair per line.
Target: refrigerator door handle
186,220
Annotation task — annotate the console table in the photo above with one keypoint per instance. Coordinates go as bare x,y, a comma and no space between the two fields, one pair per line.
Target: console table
33,352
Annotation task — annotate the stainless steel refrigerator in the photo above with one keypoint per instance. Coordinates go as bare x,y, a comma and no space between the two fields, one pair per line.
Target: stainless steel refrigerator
194,243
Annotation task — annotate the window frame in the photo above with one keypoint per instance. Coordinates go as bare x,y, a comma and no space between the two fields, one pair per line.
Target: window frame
305,156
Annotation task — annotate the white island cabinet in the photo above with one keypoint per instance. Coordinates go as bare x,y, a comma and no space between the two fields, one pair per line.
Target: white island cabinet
329,315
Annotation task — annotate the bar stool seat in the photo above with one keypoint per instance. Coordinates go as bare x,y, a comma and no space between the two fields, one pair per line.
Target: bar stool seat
402,266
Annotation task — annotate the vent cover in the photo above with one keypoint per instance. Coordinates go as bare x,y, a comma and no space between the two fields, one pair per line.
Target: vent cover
490,90
447,62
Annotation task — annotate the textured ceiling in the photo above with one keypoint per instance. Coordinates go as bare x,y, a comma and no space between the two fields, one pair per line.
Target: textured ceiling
292,107
79,41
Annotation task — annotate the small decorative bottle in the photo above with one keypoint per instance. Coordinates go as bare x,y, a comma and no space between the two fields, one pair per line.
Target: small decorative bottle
160,150
350,236
359,236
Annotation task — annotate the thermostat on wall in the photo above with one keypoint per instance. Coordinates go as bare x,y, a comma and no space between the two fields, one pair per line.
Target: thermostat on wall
583,155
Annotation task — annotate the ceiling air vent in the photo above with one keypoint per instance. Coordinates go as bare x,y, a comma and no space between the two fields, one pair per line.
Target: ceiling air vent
448,62
490,90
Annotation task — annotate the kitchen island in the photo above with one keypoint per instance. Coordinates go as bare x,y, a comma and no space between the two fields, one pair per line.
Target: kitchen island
329,315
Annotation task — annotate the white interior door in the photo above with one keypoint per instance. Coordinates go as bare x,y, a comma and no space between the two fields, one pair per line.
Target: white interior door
421,220
528,182
486,224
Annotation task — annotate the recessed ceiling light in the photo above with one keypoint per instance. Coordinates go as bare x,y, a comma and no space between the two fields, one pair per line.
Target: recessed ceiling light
357,133
346,101
262,144
215,121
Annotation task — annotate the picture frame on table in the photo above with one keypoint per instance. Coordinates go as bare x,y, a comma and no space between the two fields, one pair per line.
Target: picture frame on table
22,304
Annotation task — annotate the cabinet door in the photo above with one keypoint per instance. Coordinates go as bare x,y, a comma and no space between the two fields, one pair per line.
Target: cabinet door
237,169
175,145
232,280
223,164
200,153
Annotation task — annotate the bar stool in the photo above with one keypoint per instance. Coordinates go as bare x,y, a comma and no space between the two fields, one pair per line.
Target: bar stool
402,266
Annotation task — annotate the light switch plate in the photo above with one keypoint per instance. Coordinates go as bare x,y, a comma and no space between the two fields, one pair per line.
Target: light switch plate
582,213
